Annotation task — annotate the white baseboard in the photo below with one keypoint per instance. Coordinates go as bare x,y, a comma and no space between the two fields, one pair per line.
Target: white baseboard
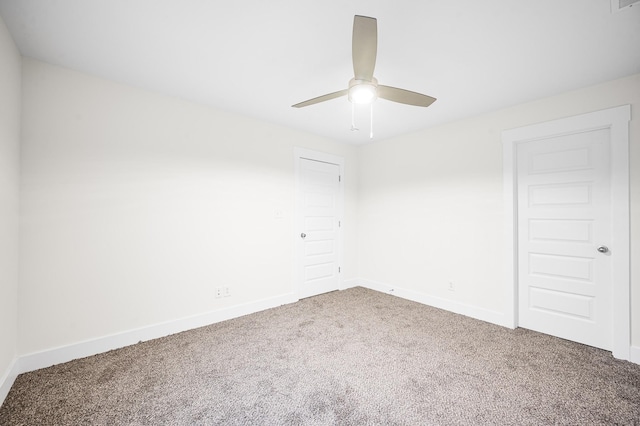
438,302
7,379
47,358
346,284
459,308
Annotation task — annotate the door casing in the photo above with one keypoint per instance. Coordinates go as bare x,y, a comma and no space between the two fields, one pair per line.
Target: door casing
617,121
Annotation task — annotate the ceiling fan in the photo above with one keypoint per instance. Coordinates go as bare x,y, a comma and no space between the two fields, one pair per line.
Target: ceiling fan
364,87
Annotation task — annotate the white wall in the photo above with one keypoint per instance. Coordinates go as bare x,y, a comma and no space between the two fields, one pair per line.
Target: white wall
135,206
431,203
10,63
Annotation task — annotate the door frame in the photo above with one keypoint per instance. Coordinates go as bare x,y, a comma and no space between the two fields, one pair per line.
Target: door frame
617,120
309,154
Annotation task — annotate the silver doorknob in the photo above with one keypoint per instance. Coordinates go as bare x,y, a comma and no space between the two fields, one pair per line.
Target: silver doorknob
303,235
603,249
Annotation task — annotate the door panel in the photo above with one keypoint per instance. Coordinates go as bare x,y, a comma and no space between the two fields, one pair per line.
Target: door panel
564,214
319,195
579,231
561,303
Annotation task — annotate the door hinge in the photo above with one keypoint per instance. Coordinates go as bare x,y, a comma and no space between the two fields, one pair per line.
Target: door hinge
338,269
339,178
339,224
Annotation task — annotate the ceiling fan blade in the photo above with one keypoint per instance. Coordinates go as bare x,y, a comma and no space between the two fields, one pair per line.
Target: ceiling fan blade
321,99
404,96
364,47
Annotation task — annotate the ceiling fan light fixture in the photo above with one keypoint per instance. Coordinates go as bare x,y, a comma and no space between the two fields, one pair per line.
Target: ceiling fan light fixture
362,92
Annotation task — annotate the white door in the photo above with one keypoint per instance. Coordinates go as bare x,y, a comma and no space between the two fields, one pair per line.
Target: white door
318,240
564,234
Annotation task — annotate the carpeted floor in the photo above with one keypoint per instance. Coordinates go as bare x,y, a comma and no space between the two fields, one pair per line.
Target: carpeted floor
354,357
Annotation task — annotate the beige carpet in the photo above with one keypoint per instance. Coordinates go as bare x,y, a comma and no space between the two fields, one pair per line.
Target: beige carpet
355,357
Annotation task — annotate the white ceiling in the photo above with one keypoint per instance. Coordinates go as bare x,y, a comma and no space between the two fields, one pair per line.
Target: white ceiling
258,57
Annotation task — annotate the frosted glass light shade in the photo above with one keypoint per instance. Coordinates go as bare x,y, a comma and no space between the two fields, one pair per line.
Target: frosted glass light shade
362,93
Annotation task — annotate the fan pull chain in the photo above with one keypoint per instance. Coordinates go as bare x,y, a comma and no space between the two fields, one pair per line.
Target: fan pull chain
353,119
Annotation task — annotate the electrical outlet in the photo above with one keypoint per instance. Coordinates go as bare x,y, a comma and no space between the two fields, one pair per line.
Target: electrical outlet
218,292
451,286
226,292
